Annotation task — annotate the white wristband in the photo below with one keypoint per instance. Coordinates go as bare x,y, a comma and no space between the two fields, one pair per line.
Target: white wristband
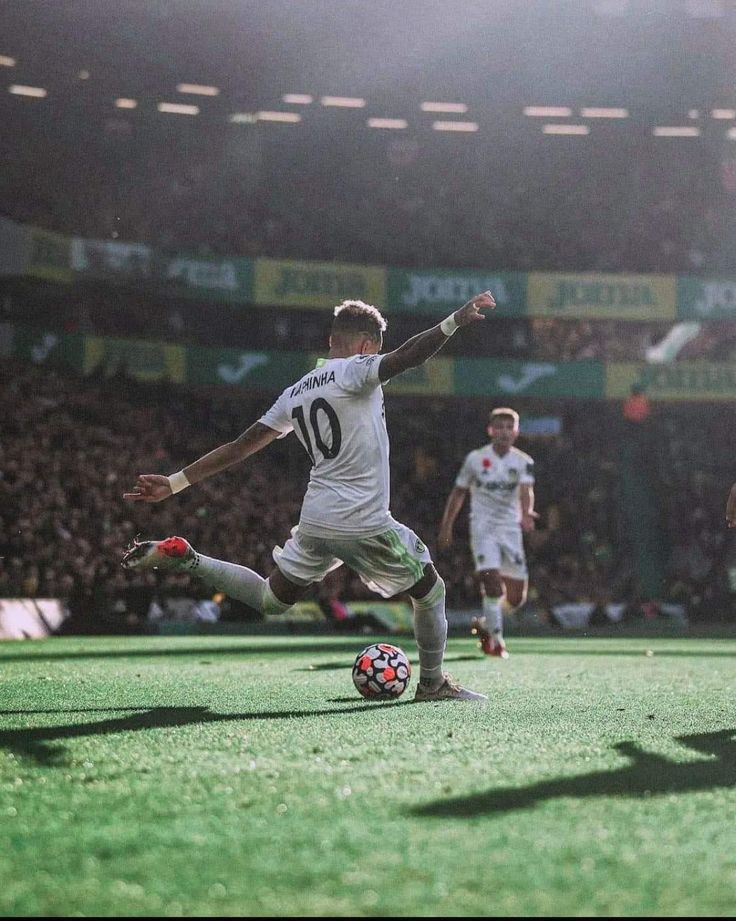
449,325
178,481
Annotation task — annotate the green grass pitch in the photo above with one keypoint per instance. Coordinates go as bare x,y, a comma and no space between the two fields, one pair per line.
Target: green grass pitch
245,776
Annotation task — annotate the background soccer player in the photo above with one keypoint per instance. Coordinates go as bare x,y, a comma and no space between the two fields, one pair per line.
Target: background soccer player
500,479
337,413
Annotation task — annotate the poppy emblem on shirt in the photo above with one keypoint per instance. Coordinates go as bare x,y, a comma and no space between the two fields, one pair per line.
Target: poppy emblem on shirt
487,464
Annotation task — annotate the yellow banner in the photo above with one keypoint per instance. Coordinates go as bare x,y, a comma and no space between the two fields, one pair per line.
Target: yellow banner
624,297
620,377
146,361
285,283
436,377
676,381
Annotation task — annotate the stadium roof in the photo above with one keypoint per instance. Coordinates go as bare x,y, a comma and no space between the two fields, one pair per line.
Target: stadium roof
657,60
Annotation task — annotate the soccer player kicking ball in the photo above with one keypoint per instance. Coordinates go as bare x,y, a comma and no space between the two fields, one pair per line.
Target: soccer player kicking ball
337,413
500,479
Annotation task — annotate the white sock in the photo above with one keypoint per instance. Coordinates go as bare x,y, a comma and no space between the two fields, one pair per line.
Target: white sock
238,582
493,615
430,631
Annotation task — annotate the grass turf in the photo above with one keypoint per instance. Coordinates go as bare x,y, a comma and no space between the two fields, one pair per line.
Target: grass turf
244,776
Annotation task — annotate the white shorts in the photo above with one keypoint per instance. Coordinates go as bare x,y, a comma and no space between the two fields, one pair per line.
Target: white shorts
389,563
502,549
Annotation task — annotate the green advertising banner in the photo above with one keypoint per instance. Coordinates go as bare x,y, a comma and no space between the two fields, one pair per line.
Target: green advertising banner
507,378
42,347
678,380
440,291
112,259
49,255
601,297
225,280
241,368
280,282
274,371
145,361
705,299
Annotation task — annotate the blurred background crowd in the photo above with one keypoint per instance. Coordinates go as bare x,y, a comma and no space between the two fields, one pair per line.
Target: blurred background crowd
71,446
574,206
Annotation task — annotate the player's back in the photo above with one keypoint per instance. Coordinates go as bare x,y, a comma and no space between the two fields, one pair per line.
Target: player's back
336,412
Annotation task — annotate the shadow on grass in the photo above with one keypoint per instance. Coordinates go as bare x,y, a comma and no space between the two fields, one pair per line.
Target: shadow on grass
42,743
647,775
235,649
336,666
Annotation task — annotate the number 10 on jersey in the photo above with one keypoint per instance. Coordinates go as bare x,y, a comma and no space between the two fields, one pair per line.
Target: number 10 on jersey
319,405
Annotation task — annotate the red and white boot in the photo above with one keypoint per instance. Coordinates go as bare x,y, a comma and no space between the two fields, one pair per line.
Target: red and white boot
172,553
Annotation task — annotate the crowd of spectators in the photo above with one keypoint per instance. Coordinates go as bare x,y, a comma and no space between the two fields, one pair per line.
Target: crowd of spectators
71,446
691,456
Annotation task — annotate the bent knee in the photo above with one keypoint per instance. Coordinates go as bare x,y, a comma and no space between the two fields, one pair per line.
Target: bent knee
280,593
431,581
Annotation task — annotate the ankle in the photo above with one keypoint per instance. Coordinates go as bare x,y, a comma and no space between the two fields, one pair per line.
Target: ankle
430,682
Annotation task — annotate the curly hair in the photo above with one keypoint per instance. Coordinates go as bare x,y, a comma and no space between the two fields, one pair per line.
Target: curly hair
355,317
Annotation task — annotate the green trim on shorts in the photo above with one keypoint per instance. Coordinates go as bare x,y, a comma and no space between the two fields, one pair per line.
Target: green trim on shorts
416,567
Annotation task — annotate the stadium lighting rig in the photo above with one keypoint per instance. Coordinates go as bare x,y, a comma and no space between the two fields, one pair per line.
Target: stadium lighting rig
37,92
547,114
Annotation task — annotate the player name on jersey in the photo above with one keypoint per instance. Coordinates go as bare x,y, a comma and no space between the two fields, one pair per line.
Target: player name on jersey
314,380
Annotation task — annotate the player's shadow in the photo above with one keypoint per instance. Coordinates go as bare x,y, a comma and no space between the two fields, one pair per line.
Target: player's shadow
336,666
52,654
44,743
646,775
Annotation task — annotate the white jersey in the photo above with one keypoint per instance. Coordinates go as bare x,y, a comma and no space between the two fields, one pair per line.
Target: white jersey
337,413
494,483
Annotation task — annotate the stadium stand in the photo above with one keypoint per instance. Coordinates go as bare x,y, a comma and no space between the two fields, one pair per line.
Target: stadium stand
73,443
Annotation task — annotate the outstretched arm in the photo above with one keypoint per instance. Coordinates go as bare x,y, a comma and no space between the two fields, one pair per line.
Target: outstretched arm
154,488
418,349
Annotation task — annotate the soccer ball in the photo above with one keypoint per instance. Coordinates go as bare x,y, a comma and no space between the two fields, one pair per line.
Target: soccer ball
381,671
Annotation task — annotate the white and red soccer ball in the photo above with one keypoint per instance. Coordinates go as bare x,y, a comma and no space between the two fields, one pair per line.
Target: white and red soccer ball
381,672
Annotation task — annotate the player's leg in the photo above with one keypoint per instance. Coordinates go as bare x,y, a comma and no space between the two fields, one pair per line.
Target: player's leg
514,578
430,625
286,585
515,592
487,553
492,592
396,562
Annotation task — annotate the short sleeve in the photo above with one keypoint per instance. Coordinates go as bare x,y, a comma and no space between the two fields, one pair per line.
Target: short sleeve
464,479
527,473
278,417
361,373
